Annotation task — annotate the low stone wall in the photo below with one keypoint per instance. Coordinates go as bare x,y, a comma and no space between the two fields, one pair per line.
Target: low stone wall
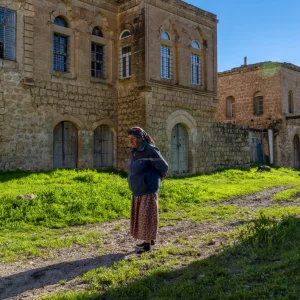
230,146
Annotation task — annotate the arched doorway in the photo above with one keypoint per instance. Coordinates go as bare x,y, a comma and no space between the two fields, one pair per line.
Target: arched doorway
65,146
103,147
296,152
179,149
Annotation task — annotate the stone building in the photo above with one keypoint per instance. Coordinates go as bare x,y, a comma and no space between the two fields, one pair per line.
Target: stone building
76,74
265,97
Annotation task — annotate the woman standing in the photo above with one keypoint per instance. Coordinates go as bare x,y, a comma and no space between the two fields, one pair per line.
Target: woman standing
146,169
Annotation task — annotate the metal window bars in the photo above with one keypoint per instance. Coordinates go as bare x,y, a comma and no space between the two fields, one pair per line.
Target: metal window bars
125,61
60,53
195,69
165,63
97,61
7,34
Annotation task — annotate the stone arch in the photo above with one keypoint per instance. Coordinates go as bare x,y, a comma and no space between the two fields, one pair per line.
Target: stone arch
78,122
189,123
170,28
100,20
65,9
125,26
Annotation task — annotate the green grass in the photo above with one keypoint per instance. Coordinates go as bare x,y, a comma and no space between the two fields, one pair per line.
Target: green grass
68,198
262,264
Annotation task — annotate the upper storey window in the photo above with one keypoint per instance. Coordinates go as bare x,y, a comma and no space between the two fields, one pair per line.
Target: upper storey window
291,102
195,44
7,34
125,34
60,21
60,47
258,104
165,35
97,32
125,56
97,56
165,62
230,107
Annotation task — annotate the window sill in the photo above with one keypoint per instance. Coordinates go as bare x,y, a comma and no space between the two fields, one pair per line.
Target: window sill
5,63
99,80
63,74
125,78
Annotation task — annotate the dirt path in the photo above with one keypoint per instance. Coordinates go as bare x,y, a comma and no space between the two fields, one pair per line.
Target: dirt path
39,277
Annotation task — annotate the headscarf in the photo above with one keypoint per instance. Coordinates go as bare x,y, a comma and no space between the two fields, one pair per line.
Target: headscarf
141,133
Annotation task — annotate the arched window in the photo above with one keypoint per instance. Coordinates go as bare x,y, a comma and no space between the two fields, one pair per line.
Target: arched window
165,35
126,33
291,102
98,54
60,46
61,21
258,104
195,44
230,107
97,32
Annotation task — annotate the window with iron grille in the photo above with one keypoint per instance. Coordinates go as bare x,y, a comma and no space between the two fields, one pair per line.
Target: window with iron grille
165,62
7,34
195,69
258,108
97,61
60,53
125,57
230,107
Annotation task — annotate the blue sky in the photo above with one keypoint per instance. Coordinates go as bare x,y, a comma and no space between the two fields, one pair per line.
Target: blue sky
262,30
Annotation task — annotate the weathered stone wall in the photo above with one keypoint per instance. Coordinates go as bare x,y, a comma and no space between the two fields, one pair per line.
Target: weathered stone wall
242,84
229,146
35,99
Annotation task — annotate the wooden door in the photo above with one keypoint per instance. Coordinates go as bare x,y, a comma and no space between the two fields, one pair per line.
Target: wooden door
65,146
179,149
296,152
103,147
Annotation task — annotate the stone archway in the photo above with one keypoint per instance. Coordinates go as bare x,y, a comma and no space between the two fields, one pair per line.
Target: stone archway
65,145
182,129
296,144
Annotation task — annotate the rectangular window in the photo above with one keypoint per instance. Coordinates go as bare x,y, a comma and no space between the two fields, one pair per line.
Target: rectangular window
97,61
125,58
60,53
258,108
165,62
7,34
195,69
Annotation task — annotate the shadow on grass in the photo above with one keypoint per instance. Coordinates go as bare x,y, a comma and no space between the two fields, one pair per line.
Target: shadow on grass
264,265
16,284
12,175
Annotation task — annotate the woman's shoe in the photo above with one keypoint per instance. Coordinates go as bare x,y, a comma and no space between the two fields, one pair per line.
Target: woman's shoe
146,248
142,245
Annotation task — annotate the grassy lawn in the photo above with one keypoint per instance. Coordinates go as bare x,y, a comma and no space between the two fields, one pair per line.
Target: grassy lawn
256,261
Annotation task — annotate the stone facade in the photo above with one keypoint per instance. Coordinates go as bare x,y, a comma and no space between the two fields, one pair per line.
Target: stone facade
43,110
278,84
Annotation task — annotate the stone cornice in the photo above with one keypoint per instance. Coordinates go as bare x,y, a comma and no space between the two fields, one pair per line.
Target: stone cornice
259,66
181,88
187,11
110,5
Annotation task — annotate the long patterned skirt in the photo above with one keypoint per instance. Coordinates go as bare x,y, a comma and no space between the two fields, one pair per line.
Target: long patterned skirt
144,217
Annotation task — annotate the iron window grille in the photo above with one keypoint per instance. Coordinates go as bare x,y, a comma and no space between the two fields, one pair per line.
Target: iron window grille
195,69
97,61
165,62
125,58
60,52
258,108
7,34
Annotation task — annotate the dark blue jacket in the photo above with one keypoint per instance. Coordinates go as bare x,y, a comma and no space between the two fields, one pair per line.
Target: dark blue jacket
146,169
